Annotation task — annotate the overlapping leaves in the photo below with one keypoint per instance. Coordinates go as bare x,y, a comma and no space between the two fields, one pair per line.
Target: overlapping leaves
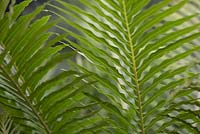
37,101
129,46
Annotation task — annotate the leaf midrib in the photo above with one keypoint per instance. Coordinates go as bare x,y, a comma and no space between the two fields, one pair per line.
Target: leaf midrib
135,77
35,111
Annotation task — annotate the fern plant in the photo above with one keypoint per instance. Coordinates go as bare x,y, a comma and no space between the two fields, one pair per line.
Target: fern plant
134,88
137,69
37,101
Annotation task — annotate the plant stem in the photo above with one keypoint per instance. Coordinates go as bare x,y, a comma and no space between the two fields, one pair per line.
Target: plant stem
134,71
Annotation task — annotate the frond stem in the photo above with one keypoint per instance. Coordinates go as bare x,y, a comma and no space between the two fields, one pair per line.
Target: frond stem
134,71
35,111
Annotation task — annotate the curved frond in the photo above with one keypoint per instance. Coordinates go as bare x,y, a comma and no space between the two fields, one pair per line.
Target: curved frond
37,101
129,47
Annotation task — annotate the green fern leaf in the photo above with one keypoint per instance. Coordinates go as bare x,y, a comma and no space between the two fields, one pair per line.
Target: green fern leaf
37,101
128,45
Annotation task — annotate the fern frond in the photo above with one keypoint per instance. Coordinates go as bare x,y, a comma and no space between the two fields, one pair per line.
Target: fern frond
128,45
37,101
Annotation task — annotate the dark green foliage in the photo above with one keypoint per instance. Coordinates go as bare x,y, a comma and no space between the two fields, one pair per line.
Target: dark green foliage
138,86
131,50
38,101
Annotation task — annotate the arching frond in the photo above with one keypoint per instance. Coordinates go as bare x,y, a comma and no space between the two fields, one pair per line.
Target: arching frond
37,101
127,43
